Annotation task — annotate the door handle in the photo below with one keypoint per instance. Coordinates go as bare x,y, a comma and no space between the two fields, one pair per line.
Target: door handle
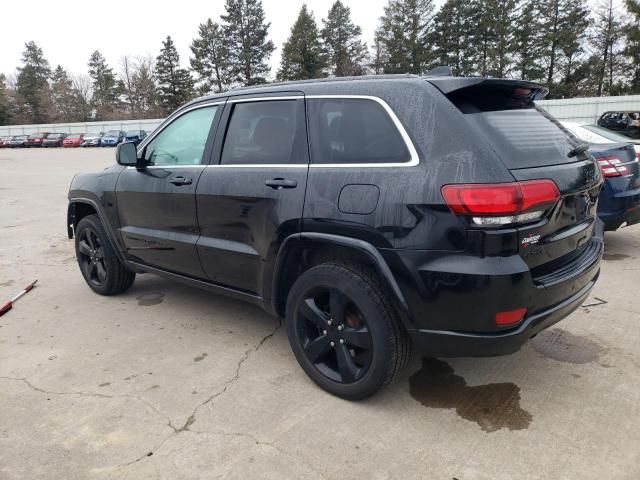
280,183
180,181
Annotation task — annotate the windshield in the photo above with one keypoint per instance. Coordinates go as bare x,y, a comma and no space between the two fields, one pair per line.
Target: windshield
93,135
37,135
133,133
112,133
20,137
615,137
75,135
54,135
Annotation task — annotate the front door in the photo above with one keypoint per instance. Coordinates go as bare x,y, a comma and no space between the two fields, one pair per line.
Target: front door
157,204
252,196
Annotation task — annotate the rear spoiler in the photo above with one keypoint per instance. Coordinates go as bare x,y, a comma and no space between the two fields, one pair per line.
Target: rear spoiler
448,85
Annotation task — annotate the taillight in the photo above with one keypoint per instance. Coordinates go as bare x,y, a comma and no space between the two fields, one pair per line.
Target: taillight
502,203
611,166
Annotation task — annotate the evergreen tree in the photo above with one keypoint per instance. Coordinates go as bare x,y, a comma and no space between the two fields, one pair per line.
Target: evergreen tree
491,41
66,101
379,56
528,42
632,50
302,55
344,49
32,83
175,85
405,31
211,58
451,32
564,23
246,32
605,40
5,102
106,90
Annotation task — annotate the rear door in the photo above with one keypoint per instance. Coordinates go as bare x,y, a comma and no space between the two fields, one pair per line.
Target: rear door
157,204
252,195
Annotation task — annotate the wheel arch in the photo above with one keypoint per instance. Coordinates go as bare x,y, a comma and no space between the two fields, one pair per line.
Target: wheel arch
301,251
79,208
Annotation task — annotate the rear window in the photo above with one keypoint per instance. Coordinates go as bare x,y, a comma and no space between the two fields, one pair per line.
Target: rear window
345,131
522,134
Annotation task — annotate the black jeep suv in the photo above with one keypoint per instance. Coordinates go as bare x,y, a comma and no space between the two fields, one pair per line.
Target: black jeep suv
373,214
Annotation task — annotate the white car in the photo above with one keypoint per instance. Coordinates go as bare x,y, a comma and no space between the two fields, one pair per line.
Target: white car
599,135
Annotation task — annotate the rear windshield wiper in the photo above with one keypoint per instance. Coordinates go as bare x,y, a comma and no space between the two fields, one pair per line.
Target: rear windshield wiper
583,147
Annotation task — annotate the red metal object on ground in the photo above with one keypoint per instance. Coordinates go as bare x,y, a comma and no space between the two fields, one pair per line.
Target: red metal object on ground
8,305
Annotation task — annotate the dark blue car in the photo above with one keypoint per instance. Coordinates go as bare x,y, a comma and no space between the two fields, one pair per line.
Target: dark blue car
135,136
112,138
619,200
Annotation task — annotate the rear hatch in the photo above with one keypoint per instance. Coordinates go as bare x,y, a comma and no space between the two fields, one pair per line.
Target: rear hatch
532,145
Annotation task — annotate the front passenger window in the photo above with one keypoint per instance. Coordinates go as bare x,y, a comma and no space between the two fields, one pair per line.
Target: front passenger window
182,142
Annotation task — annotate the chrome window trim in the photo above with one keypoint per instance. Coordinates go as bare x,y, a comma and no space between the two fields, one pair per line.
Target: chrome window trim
171,119
414,158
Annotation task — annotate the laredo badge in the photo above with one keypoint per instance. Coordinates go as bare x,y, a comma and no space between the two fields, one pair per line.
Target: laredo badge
530,239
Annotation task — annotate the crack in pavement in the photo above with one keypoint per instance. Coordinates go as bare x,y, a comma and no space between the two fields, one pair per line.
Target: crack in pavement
260,443
28,383
192,418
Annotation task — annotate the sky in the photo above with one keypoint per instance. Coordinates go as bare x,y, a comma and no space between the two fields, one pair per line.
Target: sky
71,30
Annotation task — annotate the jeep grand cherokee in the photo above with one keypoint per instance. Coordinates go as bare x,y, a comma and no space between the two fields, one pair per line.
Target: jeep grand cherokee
374,214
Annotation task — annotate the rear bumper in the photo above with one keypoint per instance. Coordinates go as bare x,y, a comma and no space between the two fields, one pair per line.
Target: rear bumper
440,343
453,298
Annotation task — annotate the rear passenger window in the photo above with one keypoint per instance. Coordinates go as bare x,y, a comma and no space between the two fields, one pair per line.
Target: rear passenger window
265,132
353,131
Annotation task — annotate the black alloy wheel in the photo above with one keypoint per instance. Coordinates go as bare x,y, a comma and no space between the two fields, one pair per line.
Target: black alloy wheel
344,330
92,257
98,261
334,335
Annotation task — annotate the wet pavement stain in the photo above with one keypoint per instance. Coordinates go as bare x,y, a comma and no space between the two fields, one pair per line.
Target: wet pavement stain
8,283
149,299
563,346
492,406
105,384
614,256
199,358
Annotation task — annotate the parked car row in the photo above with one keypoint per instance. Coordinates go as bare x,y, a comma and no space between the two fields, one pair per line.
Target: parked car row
111,138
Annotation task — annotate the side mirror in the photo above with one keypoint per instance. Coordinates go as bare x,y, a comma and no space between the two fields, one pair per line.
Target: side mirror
127,155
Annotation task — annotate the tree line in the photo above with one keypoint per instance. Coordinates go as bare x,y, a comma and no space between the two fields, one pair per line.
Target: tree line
576,48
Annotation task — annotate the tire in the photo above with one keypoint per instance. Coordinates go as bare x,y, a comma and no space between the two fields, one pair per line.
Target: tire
99,264
357,293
